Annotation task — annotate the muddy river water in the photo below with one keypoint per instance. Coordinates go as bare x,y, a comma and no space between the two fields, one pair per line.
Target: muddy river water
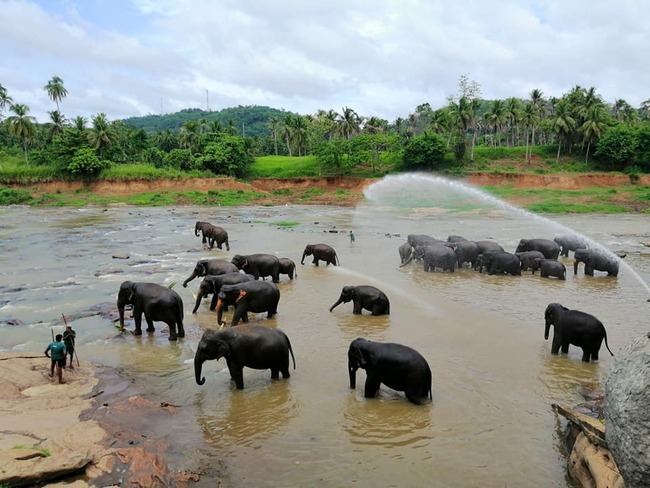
490,422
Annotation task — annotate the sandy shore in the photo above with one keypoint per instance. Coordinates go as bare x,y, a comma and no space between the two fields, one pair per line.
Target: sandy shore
78,431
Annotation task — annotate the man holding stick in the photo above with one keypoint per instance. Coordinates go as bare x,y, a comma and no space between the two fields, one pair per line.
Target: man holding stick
68,339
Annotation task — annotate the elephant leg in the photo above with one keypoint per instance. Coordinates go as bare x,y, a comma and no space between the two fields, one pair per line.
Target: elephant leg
586,353
594,354
137,319
372,385
213,303
275,374
555,347
231,369
285,369
357,307
315,261
172,331
378,309
150,327
181,329
237,374
413,395
565,348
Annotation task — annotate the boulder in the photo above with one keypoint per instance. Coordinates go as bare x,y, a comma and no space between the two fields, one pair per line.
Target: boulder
627,416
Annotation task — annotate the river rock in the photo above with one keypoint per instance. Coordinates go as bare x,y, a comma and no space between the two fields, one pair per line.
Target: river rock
121,255
627,416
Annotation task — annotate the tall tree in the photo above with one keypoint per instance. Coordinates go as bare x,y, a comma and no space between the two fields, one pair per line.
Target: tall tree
495,118
101,136
189,135
55,90
79,123
57,121
537,103
348,123
513,114
287,131
593,127
530,119
5,99
274,124
563,124
21,125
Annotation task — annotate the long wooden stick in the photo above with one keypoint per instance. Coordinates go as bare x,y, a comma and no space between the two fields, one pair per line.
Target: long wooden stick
74,345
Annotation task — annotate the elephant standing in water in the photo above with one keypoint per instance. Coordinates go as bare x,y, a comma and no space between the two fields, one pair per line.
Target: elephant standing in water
595,260
288,267
434,256
550,267
396,366
259,265
251,346
527,258
404,251
214,267
570,243
574,327
211,285
321,252
499,262
211,234
466,252
550,249
252,296
158,303
364,296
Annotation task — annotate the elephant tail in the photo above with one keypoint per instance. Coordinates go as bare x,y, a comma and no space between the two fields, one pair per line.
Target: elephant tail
607,345
291,351
430,386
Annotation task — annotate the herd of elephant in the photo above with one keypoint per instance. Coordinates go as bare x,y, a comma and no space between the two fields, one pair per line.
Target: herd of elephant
240,283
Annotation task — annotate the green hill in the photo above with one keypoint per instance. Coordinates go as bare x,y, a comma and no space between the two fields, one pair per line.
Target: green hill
250,121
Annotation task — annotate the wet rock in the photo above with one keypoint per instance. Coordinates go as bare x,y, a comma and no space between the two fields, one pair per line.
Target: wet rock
646,244
627,396
121,255
11,321
108,272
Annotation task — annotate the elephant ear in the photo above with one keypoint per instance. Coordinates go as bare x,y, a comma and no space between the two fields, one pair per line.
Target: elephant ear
223,350
357,354
241,295
201,267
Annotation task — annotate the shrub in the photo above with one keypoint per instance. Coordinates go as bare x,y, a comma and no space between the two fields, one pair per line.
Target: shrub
424,152
85,163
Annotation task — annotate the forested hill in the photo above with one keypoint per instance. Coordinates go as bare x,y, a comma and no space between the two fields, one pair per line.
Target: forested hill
250,121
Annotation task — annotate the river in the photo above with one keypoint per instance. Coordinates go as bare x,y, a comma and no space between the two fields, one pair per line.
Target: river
490,422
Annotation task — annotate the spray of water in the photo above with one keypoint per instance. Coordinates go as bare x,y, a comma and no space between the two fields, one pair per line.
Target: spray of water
419,190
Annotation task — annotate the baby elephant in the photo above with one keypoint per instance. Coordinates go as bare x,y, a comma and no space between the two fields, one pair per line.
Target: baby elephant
549,267
364,296
577,328
396,366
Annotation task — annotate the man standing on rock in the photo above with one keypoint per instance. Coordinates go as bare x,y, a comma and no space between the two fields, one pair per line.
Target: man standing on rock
69,336
57,349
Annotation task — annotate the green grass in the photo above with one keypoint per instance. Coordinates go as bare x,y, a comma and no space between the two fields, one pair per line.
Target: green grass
42,450
286,224
284,167
125,172
9,196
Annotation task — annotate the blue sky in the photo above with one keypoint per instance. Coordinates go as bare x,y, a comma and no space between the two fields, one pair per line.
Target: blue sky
380,57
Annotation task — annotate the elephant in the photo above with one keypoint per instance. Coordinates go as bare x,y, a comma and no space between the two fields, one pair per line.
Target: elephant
500,262
288,267
211,234
251,346
466,252
454,238
549,267
205,267
397,366
364,296
259,265
595,260
435,256
405,251
550,249
574,327
416,240
158,303
488,245
527,258
212,284
251,296
570,243
321,252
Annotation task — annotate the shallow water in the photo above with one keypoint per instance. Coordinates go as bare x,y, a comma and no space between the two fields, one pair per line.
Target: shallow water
494,379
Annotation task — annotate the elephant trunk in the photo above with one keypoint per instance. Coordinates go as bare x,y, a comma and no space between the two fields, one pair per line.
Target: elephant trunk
199,296
408,260
353,376
220,312
190,278
338,302
302,261
575,266
120,309
198,363
196,231
547,328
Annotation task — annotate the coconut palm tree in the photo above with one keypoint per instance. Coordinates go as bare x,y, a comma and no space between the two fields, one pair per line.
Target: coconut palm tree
58,122
513,114
562,123
55,90
530,119
101,135
79,123
375,125
274,124
287,131
5,100
496,117
189,134
300,133
348,123
593,127
537,103
21,125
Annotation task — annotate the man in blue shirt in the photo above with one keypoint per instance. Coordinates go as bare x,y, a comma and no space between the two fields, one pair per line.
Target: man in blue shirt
57,351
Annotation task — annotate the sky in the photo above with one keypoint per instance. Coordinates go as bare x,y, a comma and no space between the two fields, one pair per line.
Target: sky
381,58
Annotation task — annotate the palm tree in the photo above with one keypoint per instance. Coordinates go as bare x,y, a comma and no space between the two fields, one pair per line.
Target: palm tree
299,131
348,123
273,124
593,127
461,114
496,117
215,126
563,124
231,129
645,109
530,119
58,123
79,123
375,125
287,131
189,134
55,90
21,125
513,114
5,100
537,103
101,135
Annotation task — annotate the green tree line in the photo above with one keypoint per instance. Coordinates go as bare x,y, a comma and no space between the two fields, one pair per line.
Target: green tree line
609,136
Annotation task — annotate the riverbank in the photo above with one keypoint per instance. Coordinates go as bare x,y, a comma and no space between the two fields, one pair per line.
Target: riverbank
88,430
551,193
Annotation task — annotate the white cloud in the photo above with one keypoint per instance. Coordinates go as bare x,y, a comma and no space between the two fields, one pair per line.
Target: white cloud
379,57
